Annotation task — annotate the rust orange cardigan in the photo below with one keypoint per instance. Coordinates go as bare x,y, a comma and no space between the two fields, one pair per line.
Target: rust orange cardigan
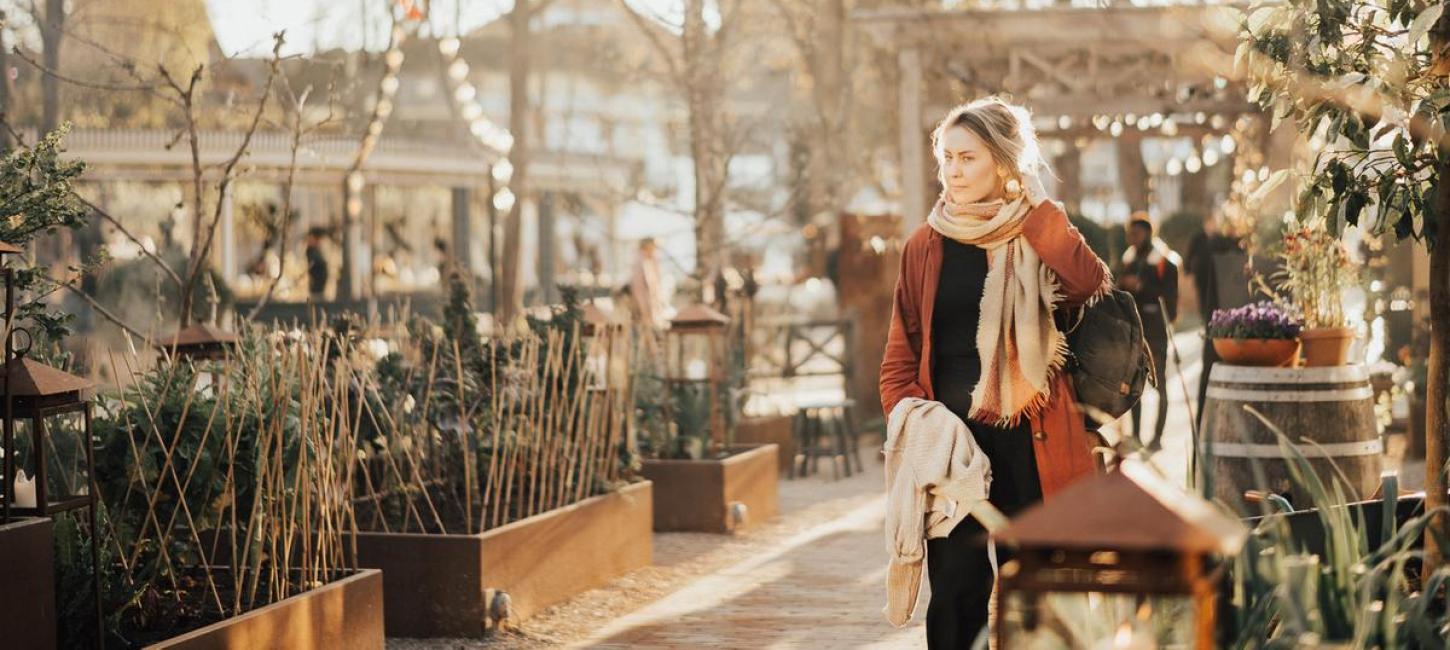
1060,438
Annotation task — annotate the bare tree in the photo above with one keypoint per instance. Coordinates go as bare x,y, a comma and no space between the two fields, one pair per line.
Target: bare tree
695,60
825,41
184,95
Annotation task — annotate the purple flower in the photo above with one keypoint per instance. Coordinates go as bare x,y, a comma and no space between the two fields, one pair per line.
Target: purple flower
1261,320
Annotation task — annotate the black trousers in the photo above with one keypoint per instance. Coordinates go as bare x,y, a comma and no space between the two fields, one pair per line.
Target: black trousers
957,566
1155,331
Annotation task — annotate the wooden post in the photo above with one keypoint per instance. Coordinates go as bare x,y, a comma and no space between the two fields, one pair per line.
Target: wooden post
913,145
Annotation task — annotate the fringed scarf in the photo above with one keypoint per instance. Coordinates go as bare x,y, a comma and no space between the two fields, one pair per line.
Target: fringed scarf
1017,339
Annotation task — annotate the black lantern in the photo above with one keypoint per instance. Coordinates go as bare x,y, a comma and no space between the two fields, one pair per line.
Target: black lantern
51,411
51,423
1122,560
696,361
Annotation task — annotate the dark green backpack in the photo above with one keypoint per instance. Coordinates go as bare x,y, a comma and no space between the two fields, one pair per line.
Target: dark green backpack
1108,358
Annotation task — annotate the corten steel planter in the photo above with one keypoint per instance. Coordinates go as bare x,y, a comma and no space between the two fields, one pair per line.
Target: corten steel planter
27,583
700,495
778,430
346,613
442,585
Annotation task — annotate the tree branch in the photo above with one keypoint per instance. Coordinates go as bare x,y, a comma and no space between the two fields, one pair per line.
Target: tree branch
648,28
165,268
106,313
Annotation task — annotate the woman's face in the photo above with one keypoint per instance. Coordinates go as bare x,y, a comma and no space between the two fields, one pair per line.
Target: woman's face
968,169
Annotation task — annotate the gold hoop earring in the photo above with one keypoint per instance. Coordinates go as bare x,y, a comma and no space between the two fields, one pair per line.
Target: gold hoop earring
1013,188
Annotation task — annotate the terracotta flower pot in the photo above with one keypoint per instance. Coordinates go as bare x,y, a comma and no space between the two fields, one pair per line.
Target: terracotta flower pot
1274,353
1326,346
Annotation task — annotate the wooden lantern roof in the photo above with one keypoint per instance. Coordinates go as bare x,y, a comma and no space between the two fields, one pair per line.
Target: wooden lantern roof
699,318
595,319
199,341
1132,509
33,384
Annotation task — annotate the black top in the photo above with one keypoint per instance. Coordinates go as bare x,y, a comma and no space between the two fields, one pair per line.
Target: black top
958,307
316,270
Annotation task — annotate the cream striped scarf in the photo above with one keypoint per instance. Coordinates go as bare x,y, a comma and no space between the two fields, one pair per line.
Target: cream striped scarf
1017,339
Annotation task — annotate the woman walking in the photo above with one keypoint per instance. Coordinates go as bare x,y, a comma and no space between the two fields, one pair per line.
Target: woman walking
973,328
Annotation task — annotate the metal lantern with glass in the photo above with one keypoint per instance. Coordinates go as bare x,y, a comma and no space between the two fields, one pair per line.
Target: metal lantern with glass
695,374
1121,560
49,456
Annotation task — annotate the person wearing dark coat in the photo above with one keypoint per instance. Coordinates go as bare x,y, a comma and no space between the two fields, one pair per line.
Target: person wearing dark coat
317,271
1150,272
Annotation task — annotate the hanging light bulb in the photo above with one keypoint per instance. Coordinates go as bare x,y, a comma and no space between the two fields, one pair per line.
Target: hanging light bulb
1218,122
1174,167
448,47
1193,164
1156,120
1144,123
394,58
385,108
465,93
1064,122
1210,157
1170,127
503,170
471,111
355,182
1227,143
458,70
389,84
504,199
1101,122
1116,129
1200,117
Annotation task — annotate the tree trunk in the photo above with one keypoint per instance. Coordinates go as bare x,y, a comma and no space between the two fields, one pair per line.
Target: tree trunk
50,36
5,143
1438,375
511,296
709,229
1437,370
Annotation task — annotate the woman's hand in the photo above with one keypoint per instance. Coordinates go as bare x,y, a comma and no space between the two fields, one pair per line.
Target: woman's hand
1032,189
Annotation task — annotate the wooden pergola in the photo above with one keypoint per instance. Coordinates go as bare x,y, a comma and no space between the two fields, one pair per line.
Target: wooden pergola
1068,64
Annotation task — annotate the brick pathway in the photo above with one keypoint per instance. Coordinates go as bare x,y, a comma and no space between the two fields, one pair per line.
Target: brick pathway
823,587
820,588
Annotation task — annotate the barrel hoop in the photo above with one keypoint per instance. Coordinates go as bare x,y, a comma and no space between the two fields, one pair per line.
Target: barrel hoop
1344,395
1303,388
1254,374
1330,450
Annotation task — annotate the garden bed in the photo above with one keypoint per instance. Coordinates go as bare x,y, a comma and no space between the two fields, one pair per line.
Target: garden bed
778,430
27,583
443,585
342,614
699,495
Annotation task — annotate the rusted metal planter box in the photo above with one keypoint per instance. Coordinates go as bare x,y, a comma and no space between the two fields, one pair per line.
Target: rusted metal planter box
346,613
778,430
441,585
699,495
27,583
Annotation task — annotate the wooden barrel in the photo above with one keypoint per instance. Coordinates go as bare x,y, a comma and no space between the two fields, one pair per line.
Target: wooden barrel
1333,407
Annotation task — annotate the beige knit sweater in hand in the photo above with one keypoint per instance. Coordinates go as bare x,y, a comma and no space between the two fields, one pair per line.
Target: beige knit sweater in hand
935,476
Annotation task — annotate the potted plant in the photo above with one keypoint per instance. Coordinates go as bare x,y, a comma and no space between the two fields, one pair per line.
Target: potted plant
1260,334
1316,271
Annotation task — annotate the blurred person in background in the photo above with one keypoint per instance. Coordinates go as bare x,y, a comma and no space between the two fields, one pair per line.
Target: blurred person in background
645,286
317,271
1149,271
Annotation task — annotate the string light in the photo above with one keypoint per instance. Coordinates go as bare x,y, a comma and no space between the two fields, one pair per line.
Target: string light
1116,129
1193,165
